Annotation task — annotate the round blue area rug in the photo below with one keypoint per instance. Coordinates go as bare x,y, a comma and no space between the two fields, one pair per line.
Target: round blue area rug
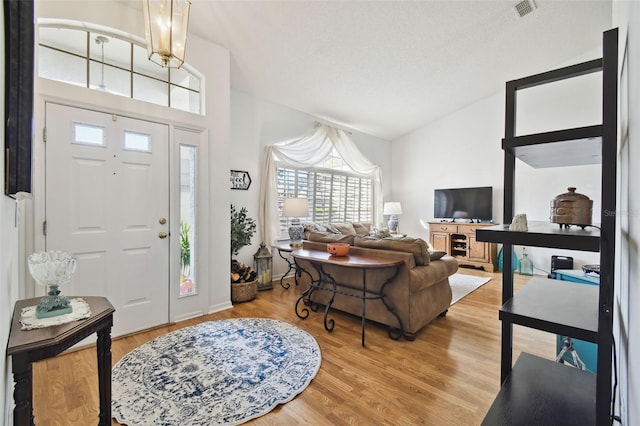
214,373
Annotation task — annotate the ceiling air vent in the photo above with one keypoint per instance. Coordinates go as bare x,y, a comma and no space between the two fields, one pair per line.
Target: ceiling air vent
525,7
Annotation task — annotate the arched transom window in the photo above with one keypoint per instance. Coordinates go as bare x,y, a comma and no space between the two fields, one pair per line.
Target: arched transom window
111,62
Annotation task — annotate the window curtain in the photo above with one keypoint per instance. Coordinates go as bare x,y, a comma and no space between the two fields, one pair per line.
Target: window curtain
307,151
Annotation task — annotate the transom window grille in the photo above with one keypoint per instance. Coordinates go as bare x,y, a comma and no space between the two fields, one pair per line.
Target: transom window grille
333,195
116,65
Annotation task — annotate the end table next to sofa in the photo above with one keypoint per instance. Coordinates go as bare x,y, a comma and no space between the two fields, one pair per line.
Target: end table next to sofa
288,249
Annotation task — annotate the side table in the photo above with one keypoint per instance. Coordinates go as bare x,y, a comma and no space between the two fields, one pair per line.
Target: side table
28,346
287,249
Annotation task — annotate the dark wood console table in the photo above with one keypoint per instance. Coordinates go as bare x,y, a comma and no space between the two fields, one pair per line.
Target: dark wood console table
319,259
28,346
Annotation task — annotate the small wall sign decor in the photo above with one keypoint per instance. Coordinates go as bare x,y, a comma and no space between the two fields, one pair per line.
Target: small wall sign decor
240,179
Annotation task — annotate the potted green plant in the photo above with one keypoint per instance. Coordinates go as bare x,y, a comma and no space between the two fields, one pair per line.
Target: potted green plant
186,284
244,283
185,249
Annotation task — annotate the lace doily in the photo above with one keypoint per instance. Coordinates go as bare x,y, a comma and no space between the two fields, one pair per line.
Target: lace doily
80,310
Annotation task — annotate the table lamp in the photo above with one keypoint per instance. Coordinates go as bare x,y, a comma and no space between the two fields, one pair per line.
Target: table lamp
393,209
295,208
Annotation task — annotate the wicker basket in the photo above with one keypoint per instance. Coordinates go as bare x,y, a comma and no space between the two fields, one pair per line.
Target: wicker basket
243,292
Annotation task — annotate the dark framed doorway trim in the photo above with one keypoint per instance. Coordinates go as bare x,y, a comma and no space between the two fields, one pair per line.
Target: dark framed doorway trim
19,75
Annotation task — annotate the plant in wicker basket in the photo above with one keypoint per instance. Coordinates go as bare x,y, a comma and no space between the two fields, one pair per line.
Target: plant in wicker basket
244,283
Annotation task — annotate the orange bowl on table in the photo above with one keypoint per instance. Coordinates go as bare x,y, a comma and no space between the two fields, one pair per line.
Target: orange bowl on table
338,249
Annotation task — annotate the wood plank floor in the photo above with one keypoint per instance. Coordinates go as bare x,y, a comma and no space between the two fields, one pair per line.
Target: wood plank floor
448,376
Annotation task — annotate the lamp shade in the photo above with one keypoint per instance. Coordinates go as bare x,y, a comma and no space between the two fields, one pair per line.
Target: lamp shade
295,207
392,208
166,23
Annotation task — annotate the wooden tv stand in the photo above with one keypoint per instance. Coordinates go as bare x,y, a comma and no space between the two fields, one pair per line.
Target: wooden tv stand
458,239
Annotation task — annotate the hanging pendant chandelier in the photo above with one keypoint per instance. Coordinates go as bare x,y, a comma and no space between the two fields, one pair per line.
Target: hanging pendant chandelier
166,23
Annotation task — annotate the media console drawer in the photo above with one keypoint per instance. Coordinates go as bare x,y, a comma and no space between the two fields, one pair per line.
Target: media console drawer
467,229
443,227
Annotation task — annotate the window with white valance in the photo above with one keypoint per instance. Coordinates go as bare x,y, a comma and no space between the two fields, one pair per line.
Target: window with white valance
326,167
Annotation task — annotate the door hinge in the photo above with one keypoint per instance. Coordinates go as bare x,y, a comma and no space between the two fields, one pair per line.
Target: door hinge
44,134
44,228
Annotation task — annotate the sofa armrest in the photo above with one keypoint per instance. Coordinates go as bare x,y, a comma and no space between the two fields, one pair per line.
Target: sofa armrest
436,271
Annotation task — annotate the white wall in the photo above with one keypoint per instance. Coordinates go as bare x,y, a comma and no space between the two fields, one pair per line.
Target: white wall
626,16
464,149
8,270
9,293
459,150
565,104
255,124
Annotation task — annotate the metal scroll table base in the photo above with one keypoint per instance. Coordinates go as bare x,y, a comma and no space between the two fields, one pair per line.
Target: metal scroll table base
346,290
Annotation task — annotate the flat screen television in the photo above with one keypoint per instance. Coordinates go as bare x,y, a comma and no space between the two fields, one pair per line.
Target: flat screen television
464,203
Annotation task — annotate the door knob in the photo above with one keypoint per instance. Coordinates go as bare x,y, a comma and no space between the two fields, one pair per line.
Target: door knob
162,235
162,221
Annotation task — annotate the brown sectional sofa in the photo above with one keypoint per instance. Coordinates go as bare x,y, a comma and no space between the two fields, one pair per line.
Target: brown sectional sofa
418,293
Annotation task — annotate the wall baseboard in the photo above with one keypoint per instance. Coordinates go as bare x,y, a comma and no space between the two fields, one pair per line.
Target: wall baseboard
219,307
189,316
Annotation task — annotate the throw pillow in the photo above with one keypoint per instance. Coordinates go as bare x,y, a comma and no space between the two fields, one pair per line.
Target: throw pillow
379,233
314,227
328,237
362,229
344,228
436,254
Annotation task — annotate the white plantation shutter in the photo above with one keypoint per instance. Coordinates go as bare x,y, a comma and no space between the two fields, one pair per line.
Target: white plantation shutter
332,196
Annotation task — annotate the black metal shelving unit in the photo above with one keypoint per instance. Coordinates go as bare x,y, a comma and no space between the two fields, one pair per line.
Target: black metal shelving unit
537,391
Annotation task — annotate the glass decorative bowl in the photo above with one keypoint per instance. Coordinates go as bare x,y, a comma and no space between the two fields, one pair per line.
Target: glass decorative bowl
51,269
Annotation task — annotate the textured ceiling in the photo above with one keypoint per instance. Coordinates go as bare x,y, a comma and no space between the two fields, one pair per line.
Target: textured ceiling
388,67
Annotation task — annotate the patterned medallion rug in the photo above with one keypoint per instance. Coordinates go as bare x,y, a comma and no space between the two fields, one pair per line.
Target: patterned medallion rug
214,373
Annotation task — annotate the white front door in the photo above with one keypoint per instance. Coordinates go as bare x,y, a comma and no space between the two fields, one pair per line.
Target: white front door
107,202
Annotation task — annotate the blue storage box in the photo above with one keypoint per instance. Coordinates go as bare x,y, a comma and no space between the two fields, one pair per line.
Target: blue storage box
587,351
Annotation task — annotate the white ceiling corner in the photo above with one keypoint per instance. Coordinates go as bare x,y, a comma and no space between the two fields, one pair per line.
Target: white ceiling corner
388,67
